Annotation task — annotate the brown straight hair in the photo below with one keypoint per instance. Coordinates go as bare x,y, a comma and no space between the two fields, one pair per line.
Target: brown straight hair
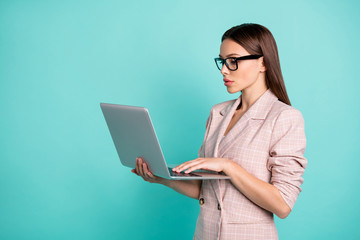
258,40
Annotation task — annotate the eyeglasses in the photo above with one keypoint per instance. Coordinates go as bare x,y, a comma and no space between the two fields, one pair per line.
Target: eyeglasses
231,62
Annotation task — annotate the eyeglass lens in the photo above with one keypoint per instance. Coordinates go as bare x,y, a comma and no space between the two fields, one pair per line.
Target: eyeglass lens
229,62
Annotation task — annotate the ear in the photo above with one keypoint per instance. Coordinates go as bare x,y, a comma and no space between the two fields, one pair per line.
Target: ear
262,64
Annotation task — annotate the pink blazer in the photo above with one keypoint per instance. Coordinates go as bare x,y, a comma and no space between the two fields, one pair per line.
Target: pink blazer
269,142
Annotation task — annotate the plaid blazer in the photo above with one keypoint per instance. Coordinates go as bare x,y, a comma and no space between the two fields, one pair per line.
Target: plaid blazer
269,142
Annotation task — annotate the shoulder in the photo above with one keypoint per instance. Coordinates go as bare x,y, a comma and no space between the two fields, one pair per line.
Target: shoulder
286,119
281,110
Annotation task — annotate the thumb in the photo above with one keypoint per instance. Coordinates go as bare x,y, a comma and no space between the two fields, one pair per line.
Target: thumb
134,171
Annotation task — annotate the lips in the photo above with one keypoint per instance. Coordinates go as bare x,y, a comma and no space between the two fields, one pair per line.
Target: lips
227,80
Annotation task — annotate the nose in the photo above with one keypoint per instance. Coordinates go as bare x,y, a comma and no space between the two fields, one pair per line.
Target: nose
224,70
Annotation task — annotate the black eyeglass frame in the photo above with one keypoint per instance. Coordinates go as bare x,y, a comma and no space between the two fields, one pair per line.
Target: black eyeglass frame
236,61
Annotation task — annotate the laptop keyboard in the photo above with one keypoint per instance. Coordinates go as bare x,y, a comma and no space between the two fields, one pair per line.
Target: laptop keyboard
181,174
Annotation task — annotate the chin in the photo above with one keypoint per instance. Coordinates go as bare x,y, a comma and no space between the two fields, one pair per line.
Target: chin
232,91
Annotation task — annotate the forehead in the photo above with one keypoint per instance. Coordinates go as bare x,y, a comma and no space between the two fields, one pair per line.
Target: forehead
230,47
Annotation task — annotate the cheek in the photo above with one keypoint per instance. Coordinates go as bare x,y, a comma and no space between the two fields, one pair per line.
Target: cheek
245,73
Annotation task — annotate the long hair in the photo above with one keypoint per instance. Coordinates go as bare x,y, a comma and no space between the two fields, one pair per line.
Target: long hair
257,39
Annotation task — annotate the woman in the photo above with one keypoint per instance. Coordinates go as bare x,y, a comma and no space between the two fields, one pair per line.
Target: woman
257,139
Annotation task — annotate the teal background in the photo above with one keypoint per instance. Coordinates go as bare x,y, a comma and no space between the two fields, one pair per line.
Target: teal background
60,176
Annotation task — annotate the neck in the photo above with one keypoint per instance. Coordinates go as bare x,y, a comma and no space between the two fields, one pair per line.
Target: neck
250,95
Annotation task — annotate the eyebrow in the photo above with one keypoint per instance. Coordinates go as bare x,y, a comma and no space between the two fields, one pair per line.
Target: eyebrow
229,54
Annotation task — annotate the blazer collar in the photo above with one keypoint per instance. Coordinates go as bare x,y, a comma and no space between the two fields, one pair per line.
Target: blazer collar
259,109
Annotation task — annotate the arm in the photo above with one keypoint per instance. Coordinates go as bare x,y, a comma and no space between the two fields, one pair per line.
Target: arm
261,193
190,188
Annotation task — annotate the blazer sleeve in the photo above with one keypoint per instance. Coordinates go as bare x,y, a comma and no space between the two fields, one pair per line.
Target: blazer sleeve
208,121
287,162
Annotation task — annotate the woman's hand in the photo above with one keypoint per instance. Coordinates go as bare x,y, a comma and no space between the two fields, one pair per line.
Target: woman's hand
190,188
143,171
211,164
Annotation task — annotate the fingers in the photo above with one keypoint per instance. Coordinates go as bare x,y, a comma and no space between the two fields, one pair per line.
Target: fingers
137,166
194,167
151,175
147,171
187,165
181,166
143,170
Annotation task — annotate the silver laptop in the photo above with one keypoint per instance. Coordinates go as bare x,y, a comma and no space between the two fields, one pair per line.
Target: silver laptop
133,134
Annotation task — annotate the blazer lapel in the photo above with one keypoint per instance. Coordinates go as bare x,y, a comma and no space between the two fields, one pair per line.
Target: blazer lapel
226,113
236,131
211,148
257,111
